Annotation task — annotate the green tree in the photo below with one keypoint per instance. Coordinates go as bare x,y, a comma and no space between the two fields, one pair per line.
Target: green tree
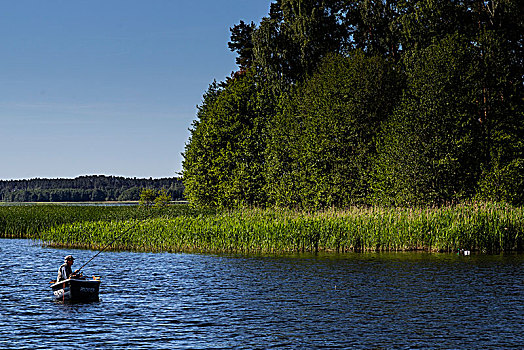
374,27
430,149
504,183
500,38
147,197
242,43
162,198
98,195
289,43
224,157
422,22
321,145
130,194
304,134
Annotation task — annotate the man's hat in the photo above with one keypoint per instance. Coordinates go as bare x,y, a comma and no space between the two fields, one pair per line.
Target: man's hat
69,257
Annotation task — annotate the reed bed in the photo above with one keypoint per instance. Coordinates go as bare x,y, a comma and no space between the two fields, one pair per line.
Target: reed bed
28,221
477,227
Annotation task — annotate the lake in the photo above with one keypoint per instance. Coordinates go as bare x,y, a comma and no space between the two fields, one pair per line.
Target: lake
325,301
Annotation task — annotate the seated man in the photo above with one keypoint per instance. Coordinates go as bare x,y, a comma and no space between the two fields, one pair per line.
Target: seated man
65,271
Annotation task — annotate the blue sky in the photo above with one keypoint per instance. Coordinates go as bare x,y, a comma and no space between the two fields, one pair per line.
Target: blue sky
108,86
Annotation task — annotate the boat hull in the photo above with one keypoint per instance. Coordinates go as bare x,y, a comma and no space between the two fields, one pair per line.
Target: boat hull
76,290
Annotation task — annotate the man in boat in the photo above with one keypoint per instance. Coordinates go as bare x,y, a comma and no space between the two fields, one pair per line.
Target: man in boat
65,271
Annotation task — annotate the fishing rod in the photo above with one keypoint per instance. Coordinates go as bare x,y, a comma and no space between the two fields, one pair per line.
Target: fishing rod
108,245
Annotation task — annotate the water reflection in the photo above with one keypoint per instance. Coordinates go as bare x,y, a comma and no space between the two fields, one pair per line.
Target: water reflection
297,301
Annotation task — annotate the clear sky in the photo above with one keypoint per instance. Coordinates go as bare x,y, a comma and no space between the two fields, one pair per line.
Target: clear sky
108,87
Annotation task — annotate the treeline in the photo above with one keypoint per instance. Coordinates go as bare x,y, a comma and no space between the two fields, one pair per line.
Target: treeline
391,102
86,188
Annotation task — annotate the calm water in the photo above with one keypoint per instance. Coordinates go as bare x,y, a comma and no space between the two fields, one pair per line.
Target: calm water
184,301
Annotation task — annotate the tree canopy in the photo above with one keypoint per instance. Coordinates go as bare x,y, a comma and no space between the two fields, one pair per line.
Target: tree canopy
340,102
86,188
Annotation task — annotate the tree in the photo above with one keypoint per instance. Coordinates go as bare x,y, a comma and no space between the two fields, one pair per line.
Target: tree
322,121
321,145
289,43
98,195
224,157
429,151
242,43
162,198
130,194
374,27
500,38
422,22
147,197
504,183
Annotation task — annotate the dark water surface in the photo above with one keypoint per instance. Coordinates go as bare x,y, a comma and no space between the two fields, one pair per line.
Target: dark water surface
184,301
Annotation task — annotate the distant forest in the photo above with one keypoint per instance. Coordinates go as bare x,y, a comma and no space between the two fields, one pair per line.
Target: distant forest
356,102
85,189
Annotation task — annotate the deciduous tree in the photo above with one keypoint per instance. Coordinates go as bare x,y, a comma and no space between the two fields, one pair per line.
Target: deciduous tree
430,149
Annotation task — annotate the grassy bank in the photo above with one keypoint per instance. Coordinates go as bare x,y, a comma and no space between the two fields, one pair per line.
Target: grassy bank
29,221
487,228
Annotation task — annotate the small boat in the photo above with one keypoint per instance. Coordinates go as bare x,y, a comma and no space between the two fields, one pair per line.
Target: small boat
77,289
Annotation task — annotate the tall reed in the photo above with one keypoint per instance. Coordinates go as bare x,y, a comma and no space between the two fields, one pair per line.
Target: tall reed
27,221
481,227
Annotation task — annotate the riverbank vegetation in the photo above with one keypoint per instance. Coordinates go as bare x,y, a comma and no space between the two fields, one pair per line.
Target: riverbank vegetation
28,221
387,111
485,228
383,103
350,125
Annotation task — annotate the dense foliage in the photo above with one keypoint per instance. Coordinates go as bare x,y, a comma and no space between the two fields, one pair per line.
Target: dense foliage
86,189
181,228
432,146
227,145
29,221
321,143
341,102
488,228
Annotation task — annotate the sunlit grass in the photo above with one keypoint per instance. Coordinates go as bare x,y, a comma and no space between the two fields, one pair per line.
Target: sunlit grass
477,227
27,221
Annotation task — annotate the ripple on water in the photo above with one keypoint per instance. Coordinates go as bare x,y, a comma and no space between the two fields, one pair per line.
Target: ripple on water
202,301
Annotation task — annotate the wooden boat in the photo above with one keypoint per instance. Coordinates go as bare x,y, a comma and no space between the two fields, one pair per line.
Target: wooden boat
77,290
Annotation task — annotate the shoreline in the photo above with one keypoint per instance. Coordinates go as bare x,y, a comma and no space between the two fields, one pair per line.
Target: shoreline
484,228
487,229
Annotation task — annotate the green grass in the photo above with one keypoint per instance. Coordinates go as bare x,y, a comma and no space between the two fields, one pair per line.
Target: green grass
477,227
28,221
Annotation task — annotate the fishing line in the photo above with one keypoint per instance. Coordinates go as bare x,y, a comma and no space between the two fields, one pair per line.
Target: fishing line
113,241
